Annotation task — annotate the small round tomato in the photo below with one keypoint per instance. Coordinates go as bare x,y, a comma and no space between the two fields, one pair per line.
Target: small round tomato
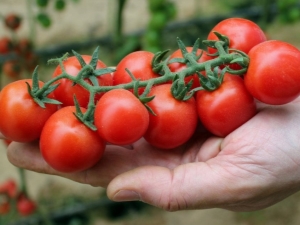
68,145
174,121
22,119
139,64
176,66
4,207
12,69
66,90
24,46
120,117
9,187
5,45
243,34
25,206
12,21
223,110
273,73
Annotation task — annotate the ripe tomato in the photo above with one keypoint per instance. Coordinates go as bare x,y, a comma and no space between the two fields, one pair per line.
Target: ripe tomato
25,206
22,118
243,34
12,21
223,110
4,207
66,90
12,69
9,187
175,121
139,64
67,145
120,117
273,73
176,67
5,45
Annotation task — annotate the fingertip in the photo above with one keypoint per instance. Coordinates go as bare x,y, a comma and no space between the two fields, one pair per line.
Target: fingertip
210,149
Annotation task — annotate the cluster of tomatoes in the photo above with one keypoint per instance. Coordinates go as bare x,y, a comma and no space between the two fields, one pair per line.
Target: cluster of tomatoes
11,197
18,55
119,114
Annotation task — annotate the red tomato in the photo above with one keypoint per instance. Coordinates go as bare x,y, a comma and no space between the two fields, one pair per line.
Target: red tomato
120,117
223,110
139,64
69,146
66,90
5,45
176,67
273,75
12,69
22,118
4,208
175,121
12,21
24,46
243,34
9,187
25,206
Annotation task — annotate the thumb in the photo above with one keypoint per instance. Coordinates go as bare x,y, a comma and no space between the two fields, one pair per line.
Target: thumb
189,186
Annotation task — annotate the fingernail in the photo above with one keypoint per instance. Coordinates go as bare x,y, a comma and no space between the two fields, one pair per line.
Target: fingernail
126,195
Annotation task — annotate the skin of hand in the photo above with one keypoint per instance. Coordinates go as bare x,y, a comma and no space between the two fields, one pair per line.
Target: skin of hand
252,168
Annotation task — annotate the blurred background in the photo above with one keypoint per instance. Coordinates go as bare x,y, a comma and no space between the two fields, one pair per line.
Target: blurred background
34,31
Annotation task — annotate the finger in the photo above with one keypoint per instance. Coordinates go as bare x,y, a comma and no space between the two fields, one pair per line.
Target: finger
209,149
115,160
189,186
28,156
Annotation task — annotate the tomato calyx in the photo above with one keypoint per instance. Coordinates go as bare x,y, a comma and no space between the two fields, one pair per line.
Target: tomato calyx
38,94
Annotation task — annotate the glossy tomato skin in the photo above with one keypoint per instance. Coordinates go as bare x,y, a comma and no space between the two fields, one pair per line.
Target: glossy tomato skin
69,146
22,118
66,90
223,110
120,117
243,34
176,66
139,64
273,75
175,121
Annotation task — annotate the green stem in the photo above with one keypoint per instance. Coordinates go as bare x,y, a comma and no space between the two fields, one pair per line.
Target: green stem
23,181
31,21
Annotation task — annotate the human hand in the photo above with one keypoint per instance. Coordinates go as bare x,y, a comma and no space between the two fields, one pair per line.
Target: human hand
255,166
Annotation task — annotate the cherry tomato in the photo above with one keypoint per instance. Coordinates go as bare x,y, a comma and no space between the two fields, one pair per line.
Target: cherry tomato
9,187
175,121
273,75
5,45
12,69
68,145
22,118
139,64
25,206
176,66
24,46
120,117
223,110
12,21
66,90
243,34
4,207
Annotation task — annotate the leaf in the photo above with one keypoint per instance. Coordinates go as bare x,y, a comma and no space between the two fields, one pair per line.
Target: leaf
95,59
79,58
